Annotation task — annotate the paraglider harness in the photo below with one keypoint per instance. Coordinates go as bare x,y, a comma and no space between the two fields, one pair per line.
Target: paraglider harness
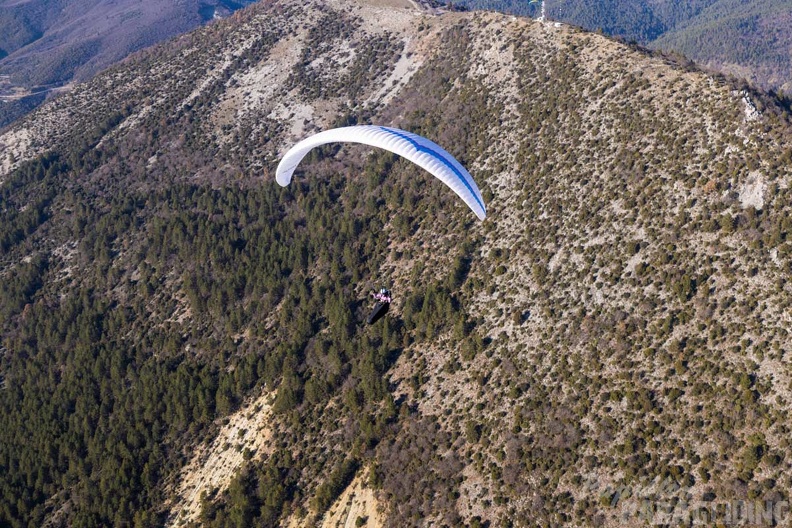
383,296
384,299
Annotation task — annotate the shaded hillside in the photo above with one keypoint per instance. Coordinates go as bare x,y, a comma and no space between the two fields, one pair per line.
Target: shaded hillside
46,44
750,40
745,39
619,319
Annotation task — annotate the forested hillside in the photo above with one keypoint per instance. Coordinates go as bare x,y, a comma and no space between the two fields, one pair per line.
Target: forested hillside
745,39
620,317
750,40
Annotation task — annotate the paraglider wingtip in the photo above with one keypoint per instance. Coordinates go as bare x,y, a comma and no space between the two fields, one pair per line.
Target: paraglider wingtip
282,180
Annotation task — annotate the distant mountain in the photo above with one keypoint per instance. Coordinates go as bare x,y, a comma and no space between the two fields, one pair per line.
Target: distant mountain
748,39
182,340
45,44
639,20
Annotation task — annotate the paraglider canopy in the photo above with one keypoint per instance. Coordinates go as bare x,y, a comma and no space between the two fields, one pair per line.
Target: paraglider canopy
417,149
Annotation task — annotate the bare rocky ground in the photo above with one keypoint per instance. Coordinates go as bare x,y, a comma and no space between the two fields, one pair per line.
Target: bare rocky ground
243,436
357,506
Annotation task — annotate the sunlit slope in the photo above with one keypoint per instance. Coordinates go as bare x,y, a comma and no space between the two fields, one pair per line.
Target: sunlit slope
46,44
744,39
619,317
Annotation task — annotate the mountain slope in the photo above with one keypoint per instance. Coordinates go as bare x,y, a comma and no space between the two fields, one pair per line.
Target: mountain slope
45,44
746,39
619,319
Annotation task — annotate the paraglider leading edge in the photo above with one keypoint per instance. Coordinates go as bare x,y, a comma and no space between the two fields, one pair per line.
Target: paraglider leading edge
417,149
